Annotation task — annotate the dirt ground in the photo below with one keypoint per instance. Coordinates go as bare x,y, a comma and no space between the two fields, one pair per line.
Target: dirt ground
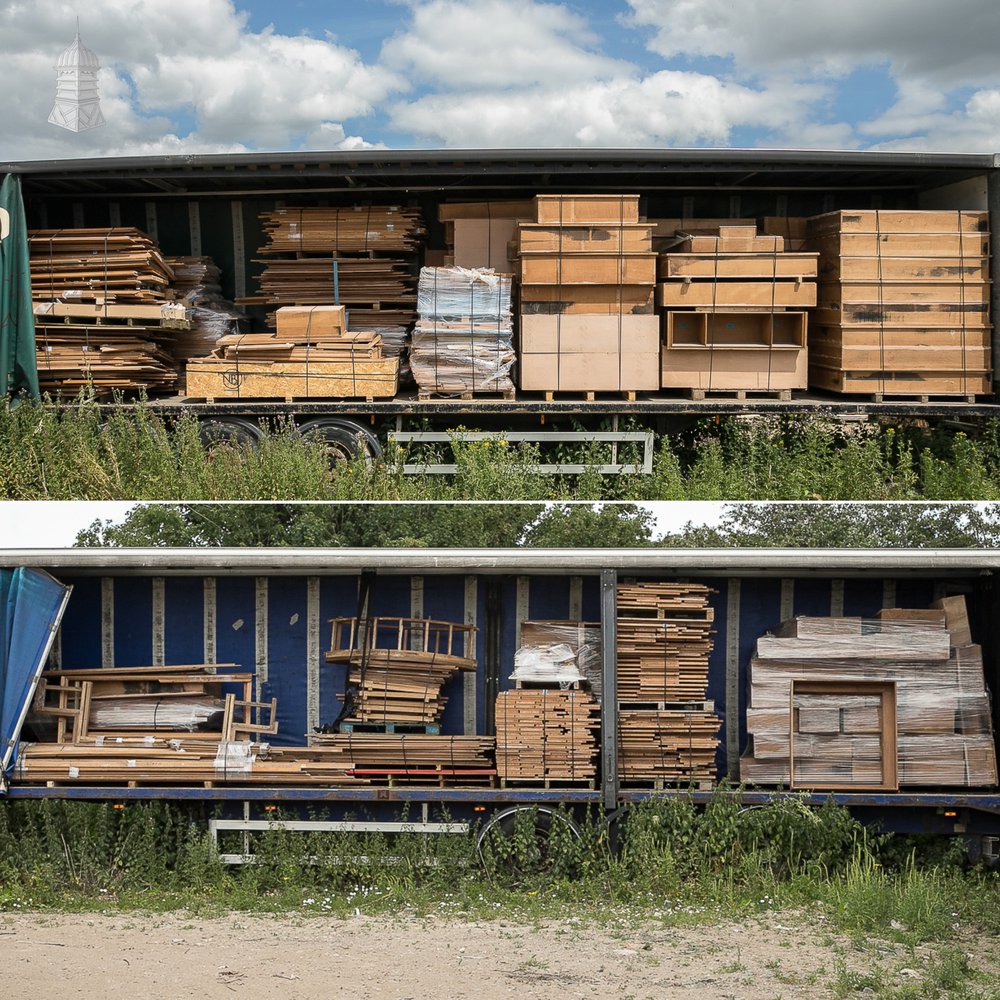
94,957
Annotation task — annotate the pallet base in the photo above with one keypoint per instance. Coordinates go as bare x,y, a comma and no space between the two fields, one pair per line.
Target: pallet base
585,783
427,729
427,395
667,784
784,395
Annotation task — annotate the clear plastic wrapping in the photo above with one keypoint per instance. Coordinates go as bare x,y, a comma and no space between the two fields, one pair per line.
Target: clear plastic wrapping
892,703
582,638
155,713
464,339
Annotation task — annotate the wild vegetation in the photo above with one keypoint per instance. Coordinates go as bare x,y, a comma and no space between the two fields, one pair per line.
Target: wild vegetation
81,453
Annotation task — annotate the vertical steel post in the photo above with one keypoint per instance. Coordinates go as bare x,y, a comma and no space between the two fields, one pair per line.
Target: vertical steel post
993,205
609,689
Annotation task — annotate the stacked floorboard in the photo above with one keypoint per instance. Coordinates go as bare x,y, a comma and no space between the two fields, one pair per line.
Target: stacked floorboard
311,354
102,317
547,735
667,730
587,273
896,701
734,315
463,341
375,248
397,667
903,303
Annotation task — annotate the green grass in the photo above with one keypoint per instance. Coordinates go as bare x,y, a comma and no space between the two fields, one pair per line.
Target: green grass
78,453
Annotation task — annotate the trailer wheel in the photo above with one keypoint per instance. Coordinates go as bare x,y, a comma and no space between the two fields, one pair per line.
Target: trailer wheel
216,432
521,838
344,440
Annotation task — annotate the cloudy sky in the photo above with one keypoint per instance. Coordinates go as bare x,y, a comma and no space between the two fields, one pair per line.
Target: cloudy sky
215,75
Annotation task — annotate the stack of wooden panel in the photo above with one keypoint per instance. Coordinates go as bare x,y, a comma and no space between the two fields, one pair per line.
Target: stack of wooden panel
903,303
734,318
375,248
97,265
546,735
587,272
310,355
463,342
667,730
412,757
397,667
894,701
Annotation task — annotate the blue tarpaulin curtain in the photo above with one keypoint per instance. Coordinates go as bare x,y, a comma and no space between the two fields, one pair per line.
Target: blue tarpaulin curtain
18,367
31,607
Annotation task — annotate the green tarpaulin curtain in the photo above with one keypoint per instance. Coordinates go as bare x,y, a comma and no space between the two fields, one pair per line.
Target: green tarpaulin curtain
18,371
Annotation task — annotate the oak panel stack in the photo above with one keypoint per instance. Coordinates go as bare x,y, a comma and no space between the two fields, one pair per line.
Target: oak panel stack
734,312
587,274
903,303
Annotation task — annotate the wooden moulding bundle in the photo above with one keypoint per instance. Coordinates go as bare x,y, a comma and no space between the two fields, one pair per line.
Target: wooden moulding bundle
545,734
397,667
898,700
903,304
676,746
463,341
311,354
419,758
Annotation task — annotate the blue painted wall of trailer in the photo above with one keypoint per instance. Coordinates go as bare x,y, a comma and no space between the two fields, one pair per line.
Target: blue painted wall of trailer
84,631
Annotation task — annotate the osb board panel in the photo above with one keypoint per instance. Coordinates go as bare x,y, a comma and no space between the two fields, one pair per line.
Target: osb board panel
289,380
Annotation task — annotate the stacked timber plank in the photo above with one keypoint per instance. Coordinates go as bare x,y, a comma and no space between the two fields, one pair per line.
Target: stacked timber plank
397,667
891,702
463,341
375,248
411,757
587,273
734,318
102,319
667,730
547,736
903,303
311,354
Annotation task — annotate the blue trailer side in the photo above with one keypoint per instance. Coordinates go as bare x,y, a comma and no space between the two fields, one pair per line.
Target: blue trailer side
271,613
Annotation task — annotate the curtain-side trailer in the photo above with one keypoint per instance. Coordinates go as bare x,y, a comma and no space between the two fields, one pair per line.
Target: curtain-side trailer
268,611
211,205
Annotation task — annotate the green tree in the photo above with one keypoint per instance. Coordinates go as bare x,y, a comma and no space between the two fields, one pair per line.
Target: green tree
845,525
592,526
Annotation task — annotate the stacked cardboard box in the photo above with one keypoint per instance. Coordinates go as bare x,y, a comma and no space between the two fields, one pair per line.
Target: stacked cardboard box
667,731
482,233
311,354
587,273
463,343
734,316
895,701
903,303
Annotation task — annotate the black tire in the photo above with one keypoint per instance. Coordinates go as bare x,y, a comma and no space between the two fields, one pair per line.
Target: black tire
504,824
344,440
217,432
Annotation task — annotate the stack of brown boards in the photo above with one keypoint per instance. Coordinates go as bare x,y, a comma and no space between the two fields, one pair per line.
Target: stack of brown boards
546,735
375,248
734,318
587,271
97,265
418,758
197,286
463,343
480,234
674,746
895,701
397,667
311,354
903,303
667,730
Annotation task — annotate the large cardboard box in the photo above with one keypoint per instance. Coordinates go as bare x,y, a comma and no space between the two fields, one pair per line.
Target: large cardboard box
589,334
303,322
568,300
535,237
738,368
589,269
594,372
586,209
484,243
